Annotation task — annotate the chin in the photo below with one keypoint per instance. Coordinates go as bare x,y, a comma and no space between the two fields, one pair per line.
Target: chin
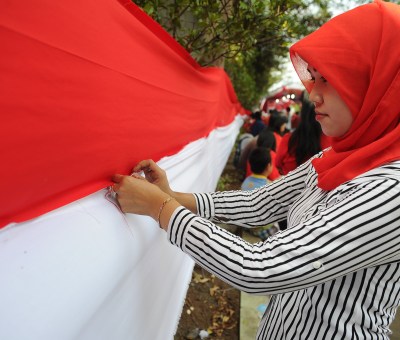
326,132
329,132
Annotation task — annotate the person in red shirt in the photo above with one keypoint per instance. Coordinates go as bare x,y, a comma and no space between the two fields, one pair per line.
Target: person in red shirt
277,124
265,139
300,145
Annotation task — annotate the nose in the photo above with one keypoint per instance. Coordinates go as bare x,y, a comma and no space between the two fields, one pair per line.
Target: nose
315,96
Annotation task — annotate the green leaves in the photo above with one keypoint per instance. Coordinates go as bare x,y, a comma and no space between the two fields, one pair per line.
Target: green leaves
247,37
149,8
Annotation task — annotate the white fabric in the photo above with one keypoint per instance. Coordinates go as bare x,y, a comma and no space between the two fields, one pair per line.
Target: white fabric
87,271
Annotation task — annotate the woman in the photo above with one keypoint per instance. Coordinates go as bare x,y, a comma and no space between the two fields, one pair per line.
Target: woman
304,142
334,273
277,124
257,125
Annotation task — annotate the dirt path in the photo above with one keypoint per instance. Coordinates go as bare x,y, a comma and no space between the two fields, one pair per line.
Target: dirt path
211,304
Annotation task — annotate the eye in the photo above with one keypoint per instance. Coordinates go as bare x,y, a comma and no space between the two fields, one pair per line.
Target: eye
324,79
311,79
309,76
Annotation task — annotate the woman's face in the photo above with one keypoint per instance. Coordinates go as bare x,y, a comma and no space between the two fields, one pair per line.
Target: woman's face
330,110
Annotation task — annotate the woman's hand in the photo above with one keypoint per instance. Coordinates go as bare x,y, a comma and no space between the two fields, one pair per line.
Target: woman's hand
145,196
138,196
154,174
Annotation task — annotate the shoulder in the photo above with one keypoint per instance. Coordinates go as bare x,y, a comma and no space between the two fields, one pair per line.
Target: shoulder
383,181
386,172
285,139
248,183
286,136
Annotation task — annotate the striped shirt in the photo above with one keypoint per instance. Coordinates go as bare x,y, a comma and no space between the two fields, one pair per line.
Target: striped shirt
333,274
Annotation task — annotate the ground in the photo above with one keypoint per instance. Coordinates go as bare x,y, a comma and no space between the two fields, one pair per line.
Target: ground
211,304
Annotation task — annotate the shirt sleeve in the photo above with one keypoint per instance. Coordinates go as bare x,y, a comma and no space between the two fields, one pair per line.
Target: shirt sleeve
259,207
360,230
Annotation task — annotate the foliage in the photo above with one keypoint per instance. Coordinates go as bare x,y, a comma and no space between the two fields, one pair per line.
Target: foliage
247,37
212,30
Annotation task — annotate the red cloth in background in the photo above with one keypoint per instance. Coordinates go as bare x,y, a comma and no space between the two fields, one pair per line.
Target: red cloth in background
89,88
278,139
286,162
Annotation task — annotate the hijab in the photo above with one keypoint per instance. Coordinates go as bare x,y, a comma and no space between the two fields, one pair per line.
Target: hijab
358,53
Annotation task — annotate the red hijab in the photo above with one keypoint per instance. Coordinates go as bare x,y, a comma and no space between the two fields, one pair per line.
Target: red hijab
358,53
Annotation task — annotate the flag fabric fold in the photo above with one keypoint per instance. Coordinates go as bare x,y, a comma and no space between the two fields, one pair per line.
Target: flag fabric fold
88,89
86,271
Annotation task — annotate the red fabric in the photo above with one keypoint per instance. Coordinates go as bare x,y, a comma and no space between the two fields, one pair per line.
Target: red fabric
286,162
278,139
88,88
358,53
295,121
265,118
273,175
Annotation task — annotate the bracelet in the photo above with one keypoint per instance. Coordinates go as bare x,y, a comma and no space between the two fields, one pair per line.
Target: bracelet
161,209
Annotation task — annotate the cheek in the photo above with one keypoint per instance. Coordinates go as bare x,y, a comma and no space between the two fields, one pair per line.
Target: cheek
350,119
345,120
343,117
347,116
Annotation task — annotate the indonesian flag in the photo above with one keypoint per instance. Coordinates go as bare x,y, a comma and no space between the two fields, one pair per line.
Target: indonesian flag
87,89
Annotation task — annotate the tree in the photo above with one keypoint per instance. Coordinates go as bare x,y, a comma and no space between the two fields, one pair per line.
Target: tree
249,38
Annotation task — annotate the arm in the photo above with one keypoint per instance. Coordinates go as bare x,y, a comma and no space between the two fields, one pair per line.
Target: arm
259,207
146,196
186,199
360,230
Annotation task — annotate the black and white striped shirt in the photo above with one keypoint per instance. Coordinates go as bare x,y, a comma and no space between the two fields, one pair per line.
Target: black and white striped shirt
333,274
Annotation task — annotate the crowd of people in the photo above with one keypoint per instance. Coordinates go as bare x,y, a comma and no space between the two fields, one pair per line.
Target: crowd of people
288,147
334,272
285,146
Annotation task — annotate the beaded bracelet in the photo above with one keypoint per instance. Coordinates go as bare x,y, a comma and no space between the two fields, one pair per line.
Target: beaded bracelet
161,209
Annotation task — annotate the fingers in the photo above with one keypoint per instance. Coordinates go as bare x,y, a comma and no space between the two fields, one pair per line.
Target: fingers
117,178
137,176
121,180
146,165
141,165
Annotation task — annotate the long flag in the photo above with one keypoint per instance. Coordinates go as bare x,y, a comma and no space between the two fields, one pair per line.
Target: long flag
87,89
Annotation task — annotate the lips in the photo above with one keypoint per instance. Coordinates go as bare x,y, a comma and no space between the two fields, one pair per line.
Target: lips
320,115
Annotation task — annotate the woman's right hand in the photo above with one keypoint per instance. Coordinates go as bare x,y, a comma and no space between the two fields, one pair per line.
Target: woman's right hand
157,176
137,196
154,174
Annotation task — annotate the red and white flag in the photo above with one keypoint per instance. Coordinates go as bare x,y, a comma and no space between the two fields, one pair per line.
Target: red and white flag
87,89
